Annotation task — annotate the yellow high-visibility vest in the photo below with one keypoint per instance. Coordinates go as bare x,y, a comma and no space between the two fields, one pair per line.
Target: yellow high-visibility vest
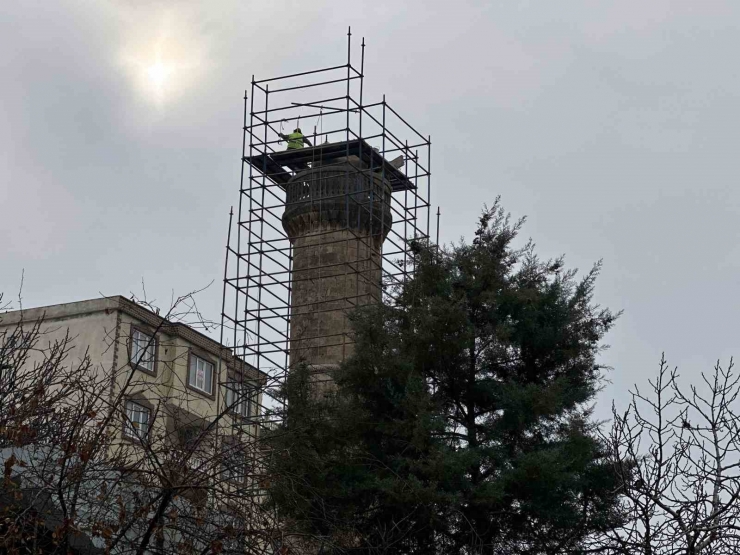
295,140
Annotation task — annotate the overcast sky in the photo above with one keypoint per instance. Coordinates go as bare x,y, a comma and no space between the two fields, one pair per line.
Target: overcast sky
613,126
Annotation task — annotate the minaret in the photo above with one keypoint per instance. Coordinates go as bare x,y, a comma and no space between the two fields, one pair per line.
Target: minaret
337,216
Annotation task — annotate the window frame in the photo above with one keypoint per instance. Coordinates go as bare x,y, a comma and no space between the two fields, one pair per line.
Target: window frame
155,345
234,469
128,422
192,356
187,435
247,401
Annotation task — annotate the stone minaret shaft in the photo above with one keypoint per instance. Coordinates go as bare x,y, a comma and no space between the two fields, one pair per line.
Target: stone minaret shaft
337,216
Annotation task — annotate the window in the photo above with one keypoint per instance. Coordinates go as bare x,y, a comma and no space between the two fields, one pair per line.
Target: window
142,350
137,420
195,444
200,375
234,463
239,398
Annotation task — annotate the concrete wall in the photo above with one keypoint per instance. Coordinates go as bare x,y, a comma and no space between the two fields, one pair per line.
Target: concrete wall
101,329
90,326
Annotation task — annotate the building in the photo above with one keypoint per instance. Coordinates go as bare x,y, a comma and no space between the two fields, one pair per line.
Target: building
179,413
160,369
325,229
322,230
175,386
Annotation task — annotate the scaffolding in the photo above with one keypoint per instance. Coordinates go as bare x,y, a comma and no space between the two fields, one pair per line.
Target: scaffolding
386,198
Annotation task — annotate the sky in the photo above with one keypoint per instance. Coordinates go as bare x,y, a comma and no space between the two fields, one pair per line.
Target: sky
612,126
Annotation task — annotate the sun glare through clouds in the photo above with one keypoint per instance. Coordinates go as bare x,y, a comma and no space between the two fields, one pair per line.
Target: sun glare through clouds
163,55
158,73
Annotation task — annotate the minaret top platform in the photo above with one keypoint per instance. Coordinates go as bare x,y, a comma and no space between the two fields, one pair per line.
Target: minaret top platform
273,164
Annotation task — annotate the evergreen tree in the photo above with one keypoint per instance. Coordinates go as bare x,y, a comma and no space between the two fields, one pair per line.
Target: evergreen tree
461,423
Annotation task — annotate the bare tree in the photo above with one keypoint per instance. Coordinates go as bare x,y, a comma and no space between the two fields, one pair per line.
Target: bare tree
74,483
677,454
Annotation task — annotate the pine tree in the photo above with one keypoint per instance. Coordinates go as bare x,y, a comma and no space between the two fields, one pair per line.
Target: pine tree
461,423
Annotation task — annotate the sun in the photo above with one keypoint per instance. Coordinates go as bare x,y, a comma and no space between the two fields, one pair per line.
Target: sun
164,53
158,74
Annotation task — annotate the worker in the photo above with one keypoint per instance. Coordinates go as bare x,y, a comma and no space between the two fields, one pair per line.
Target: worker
295,139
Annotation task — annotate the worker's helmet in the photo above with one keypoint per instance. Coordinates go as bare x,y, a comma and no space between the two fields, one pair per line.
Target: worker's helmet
297,130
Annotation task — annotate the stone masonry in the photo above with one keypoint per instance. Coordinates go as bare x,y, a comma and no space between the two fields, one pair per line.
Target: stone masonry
337,216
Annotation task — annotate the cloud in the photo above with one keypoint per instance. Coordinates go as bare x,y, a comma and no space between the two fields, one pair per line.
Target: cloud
164,51
612,125
38,214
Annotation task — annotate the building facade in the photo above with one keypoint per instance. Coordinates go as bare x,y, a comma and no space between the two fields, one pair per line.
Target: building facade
179,414
157,367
